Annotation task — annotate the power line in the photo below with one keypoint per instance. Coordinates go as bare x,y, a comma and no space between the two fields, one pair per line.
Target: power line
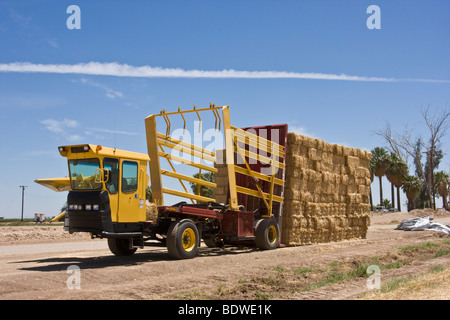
23,191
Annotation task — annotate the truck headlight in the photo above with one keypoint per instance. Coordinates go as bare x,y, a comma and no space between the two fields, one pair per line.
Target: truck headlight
95,207
88,207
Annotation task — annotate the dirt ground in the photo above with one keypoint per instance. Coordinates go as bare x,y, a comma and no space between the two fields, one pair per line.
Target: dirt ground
37,260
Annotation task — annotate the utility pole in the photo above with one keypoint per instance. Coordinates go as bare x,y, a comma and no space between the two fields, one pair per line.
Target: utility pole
23,191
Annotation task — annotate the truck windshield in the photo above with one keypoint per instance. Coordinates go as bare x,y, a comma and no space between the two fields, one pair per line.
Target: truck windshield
82,174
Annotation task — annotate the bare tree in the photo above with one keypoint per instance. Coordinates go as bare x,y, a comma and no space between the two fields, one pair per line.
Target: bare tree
404,145
438,125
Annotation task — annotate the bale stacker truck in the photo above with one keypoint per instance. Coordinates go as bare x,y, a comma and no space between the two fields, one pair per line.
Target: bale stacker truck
107,189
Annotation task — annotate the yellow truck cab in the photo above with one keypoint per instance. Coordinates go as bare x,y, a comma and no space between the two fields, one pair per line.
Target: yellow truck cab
107,189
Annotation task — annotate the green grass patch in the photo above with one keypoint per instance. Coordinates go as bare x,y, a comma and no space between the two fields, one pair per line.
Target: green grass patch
395,264
303,270
261,295
394,284
437,269
441,252
279,269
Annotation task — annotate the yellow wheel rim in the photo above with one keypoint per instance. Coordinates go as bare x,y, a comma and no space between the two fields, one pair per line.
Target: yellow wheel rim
272,234
188,239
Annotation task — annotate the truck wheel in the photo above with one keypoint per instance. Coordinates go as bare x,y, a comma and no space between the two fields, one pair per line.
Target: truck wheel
182,239
120,247
267,234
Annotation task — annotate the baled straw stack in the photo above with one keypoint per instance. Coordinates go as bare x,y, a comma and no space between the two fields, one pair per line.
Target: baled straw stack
326,196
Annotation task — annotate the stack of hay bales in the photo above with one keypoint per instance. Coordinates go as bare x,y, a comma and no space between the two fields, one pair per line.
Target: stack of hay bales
326,195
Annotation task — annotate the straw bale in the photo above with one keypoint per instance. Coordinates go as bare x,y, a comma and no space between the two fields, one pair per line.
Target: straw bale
362,172
309,142
318,166
363,189
339,160
151,211
314,154
338,150
297,161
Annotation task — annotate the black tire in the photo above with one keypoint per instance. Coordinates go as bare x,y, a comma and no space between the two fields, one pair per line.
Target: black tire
120,246
267,234
182,239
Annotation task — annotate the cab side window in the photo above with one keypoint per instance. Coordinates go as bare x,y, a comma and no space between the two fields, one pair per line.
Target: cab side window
113,182
129,176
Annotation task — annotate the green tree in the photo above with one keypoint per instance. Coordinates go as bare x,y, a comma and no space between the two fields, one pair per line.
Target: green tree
412,186
387,204
442,180
396,173
204,190
378,165
148,194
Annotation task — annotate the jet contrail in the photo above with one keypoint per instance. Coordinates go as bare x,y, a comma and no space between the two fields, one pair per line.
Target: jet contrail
125,70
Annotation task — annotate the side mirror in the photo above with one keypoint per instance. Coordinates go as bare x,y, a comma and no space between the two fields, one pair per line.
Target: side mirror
101,175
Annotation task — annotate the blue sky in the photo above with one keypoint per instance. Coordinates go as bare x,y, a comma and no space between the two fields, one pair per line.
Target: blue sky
312,64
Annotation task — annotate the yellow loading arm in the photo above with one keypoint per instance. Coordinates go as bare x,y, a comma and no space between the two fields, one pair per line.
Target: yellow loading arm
235,141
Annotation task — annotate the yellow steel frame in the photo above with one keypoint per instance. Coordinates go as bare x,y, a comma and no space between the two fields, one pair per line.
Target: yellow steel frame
234,137
156,142
261,144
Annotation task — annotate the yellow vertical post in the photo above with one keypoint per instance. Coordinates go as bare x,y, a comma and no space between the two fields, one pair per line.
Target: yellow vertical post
229,158
199,187
155,167
272,177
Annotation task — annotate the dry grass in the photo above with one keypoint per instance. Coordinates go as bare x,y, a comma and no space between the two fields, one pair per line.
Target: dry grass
434,285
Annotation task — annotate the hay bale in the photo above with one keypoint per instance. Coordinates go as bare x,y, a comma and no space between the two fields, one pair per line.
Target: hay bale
326,195
151,211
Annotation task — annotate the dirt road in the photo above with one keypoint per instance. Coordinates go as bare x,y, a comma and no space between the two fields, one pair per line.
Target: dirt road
54,265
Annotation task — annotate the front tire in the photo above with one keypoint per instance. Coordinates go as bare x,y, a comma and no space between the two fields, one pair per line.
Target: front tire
267,234
120,246
182,239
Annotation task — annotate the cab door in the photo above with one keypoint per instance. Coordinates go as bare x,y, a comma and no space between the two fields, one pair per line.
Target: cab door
112,185
131,203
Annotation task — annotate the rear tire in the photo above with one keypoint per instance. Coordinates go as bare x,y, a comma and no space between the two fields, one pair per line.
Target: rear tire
182,239
120,246
267,234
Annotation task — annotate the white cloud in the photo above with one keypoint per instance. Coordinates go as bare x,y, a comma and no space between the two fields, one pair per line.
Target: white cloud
110,93
125,70
53,43
56,126
62,128
128,133
301,130
73,138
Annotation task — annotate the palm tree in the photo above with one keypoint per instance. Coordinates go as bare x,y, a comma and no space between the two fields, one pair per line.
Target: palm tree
370,196
204,190
412,186
390,175
378,165
441,181
148,194
396,172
